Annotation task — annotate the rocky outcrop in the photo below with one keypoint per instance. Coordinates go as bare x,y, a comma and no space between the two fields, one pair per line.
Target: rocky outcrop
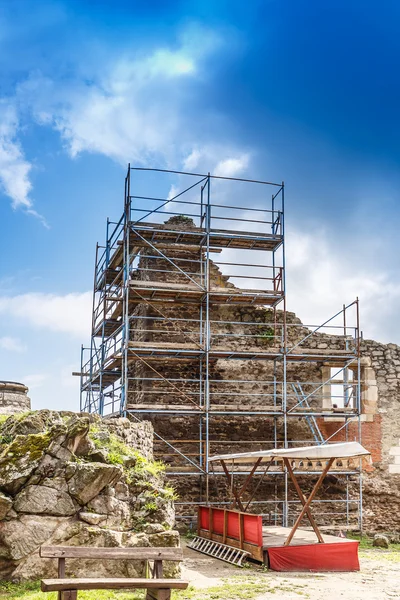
77,479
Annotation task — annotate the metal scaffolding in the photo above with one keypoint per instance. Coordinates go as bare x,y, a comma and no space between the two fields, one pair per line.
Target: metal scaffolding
206,344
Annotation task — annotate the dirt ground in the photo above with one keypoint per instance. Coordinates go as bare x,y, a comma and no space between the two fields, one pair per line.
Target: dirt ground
378,579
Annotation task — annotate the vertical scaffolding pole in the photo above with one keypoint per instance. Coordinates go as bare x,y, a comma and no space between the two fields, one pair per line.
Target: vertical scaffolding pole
285,350
208,339
125,307
359,408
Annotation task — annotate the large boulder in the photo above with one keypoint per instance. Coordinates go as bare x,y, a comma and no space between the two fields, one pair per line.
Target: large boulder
19,537
42,500
380,541
19,459
116,512
31,422
89,479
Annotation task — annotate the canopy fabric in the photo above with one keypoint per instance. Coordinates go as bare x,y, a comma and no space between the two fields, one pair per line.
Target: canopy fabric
322,452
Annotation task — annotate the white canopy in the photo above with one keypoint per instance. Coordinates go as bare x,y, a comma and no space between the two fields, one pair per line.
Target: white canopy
323,452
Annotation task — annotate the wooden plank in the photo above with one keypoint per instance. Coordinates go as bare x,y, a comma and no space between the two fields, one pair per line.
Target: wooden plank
158,595
274,535
61,575
54,585
174,554
61,568
225,531
241,530
68,595
247,481
210,522
158,569
192,407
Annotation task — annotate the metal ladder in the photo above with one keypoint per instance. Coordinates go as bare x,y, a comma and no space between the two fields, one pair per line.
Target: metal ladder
311,421
217,550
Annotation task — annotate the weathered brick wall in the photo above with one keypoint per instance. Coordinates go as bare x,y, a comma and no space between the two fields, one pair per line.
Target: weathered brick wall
371,435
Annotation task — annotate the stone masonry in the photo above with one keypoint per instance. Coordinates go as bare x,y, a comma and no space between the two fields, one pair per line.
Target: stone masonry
13,398
78,480
380,395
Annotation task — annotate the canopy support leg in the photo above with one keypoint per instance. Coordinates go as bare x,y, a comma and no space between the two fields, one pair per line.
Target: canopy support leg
234,492
303,499
246,483
306,503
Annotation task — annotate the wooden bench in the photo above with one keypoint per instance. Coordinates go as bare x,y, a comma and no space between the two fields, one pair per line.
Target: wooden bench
157,587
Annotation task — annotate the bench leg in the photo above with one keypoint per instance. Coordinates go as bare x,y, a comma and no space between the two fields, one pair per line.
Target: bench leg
69,595
158,595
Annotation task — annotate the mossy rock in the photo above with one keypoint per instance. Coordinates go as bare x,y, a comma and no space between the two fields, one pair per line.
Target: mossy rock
20,458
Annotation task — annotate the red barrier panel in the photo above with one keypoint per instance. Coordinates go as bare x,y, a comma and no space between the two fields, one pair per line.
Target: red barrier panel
218,520
342,556
204,519
252,524
233,525
252,527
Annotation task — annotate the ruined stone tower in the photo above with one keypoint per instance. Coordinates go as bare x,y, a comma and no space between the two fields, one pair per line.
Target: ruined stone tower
190,331
13,398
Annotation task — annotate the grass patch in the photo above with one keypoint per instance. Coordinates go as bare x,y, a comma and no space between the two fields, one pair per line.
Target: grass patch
31,591
3,418
241,588
235,588
381,554
366,543
118,453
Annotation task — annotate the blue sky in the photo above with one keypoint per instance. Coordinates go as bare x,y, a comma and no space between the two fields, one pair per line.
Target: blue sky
305,92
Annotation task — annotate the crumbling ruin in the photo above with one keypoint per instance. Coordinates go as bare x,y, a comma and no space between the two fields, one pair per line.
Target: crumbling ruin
13,398
191,332
79,480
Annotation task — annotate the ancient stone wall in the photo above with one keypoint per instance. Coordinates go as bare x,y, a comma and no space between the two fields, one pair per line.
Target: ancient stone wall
75,479
13,398
380,419
248,328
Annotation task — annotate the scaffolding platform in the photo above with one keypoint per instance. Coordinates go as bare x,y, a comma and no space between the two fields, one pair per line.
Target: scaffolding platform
189,297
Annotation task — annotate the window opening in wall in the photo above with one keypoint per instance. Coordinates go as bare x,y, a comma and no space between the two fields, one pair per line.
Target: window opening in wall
342,388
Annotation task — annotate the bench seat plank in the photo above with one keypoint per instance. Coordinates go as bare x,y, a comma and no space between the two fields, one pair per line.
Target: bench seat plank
173,554
54,585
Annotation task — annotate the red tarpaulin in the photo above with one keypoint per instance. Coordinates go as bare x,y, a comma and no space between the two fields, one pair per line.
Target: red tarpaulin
342,556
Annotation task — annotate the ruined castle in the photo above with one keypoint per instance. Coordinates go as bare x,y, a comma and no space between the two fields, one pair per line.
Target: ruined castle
191,332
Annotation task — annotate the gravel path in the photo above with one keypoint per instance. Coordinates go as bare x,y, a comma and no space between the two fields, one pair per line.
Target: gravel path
378,579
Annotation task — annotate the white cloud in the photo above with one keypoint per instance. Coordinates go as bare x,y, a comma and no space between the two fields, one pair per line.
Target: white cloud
174,190
218,159
133,108
69,314
14,169
12,344
321,276
232,167
192,160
